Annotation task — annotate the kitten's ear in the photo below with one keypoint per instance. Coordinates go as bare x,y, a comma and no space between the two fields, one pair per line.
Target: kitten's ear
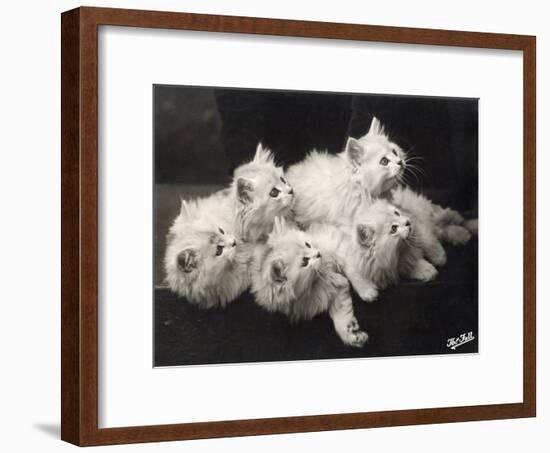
184,209
187,260
365,234
376,127
278,271
263,155
279,225
355,151
244,190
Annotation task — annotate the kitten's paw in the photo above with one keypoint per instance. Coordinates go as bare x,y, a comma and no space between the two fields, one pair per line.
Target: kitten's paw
451,217
438,256
424,271
368,294
354,336
457,235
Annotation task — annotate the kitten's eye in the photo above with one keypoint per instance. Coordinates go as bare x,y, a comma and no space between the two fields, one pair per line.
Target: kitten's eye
219,250
308,245
384,161
283,180
393,228
394,152
305,261
274,192
221,230
396,213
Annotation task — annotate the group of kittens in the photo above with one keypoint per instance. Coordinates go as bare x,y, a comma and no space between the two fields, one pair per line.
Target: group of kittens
298,238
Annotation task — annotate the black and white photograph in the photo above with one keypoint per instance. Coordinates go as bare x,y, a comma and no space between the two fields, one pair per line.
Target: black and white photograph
272,226
293,225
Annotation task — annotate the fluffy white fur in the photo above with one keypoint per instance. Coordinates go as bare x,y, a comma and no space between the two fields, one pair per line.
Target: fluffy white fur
205,262
443,224
378,247
471,225
299,275
330,188
261,193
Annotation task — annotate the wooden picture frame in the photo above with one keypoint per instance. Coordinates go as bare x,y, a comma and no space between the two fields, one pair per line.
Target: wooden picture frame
79,314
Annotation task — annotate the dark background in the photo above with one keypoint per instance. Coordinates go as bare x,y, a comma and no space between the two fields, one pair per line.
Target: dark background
202,134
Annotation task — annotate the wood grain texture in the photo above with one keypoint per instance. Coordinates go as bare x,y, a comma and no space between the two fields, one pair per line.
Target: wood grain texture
79,304
529,227
70,226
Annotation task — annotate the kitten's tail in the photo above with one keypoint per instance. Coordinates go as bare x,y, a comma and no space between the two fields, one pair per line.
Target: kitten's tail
471,225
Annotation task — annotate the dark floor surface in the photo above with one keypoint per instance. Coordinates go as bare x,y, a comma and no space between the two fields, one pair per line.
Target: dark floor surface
409,319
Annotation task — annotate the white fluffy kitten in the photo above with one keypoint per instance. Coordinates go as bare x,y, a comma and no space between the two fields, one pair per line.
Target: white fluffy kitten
330,188
379,247
298,275
261,194
204,261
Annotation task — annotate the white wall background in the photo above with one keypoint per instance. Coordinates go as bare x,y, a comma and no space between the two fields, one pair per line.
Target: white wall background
30,227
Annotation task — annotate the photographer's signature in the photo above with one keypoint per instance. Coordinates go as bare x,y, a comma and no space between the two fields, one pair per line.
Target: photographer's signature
455,342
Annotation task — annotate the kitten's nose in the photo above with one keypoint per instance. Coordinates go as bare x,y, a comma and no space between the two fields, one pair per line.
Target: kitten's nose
234,243
400,163
318,255
408,223
291,192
